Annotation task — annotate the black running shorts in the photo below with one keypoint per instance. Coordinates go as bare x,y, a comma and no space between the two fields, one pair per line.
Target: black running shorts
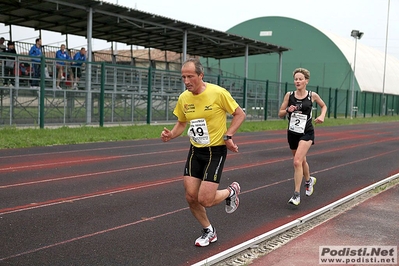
293,138
206,163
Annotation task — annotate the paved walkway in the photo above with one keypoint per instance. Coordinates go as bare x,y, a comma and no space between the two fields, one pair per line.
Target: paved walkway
373,222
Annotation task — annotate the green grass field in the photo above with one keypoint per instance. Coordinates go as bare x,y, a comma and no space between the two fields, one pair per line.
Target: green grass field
13,137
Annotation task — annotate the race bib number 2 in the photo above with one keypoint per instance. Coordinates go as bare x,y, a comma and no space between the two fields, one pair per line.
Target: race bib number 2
198,131
297,122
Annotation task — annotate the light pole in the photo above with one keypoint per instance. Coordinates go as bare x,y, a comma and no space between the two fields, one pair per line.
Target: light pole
357,35
384,102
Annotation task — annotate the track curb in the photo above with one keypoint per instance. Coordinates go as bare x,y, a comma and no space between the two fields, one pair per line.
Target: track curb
261,245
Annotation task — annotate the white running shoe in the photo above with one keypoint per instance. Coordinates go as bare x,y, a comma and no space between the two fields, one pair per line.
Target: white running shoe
295,199
59,88
309,186
233,201
207,237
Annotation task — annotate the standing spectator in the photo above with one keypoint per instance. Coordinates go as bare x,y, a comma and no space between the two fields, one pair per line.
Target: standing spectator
3,48
204,106
298,105
78,58
36,51
10,65
61,65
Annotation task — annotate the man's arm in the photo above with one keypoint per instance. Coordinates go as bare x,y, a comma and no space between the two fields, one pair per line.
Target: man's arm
32,51
238,119
177,130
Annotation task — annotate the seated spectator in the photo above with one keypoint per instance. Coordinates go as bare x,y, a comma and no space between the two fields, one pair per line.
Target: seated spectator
23,70
61,65
79,58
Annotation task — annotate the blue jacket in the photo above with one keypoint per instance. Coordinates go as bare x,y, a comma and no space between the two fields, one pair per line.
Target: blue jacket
79,57
62,55
35,51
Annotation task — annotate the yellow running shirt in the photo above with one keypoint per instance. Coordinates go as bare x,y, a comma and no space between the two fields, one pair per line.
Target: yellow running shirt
206,113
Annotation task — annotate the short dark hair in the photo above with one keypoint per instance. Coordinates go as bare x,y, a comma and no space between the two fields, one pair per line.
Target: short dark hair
38,39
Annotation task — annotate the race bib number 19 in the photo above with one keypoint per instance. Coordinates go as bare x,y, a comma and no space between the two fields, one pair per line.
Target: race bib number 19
297,123
198,131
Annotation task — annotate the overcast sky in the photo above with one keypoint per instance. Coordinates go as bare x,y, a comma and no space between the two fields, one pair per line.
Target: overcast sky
339,17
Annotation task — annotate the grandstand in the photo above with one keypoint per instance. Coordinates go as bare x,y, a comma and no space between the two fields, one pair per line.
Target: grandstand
137,57
125,87
142,86
115,88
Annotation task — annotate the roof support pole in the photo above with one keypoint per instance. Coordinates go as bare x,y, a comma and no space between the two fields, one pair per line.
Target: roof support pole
246,77
88,66
10,26
149,55
246,61
133,62
280,75
184,54
185,46
166,60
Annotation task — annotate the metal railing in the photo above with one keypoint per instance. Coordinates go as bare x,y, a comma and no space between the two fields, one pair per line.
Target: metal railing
118,94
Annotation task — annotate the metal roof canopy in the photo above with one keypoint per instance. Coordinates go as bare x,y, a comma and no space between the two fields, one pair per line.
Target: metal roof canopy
129,26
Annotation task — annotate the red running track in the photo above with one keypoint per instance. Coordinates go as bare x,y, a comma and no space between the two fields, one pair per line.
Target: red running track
122,203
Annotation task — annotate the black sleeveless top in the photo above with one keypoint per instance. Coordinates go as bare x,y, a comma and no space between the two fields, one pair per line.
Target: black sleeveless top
304,106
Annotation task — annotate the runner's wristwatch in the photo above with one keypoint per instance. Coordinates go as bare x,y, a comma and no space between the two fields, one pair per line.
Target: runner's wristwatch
226,137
